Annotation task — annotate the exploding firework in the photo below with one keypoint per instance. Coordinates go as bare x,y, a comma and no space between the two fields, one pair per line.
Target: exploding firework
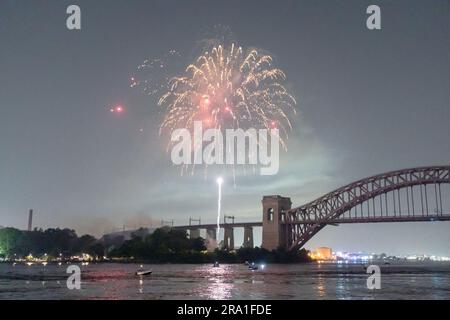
226,87
229,88
154,73
116,109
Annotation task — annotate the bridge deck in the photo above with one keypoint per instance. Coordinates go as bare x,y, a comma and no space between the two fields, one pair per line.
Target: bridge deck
445,217
222,225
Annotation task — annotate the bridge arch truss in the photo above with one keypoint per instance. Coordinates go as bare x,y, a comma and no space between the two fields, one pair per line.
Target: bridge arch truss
414,194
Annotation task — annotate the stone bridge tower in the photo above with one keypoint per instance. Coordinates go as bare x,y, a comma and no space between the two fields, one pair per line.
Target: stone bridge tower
274,208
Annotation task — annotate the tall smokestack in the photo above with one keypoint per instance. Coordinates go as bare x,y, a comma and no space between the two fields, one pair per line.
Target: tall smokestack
30,220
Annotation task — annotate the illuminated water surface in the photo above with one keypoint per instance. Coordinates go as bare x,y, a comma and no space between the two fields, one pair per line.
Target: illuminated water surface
175,281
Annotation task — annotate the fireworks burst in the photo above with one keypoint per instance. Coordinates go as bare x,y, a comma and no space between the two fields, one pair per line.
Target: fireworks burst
228,88
154,74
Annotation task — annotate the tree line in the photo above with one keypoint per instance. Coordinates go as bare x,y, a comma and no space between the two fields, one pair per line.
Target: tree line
172,245
51,242
164,245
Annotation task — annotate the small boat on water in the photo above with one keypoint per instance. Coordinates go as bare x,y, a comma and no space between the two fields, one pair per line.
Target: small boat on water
253,266
143,272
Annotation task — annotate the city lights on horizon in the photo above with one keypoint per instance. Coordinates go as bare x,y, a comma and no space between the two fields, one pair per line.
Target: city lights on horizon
326,254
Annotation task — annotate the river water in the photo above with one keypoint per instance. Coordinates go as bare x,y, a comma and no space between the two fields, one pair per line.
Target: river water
228,281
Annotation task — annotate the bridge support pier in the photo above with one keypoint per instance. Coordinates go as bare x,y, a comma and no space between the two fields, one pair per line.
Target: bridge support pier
194,233
274,209
228,238
211,239
248,237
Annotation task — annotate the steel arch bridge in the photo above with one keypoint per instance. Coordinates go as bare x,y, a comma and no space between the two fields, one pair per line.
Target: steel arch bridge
399,196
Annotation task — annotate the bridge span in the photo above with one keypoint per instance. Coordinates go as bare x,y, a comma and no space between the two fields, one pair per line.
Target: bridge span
229,228
408,195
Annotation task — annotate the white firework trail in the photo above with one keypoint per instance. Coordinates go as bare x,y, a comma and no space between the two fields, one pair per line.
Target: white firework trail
219,205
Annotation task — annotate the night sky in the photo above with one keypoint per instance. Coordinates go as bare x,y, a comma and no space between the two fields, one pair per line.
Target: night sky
368,102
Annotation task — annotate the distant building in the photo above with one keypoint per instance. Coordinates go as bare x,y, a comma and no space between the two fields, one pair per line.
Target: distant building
322,253
30,220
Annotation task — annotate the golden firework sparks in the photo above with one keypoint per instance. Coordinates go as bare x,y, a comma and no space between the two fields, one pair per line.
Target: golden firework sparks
228,88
